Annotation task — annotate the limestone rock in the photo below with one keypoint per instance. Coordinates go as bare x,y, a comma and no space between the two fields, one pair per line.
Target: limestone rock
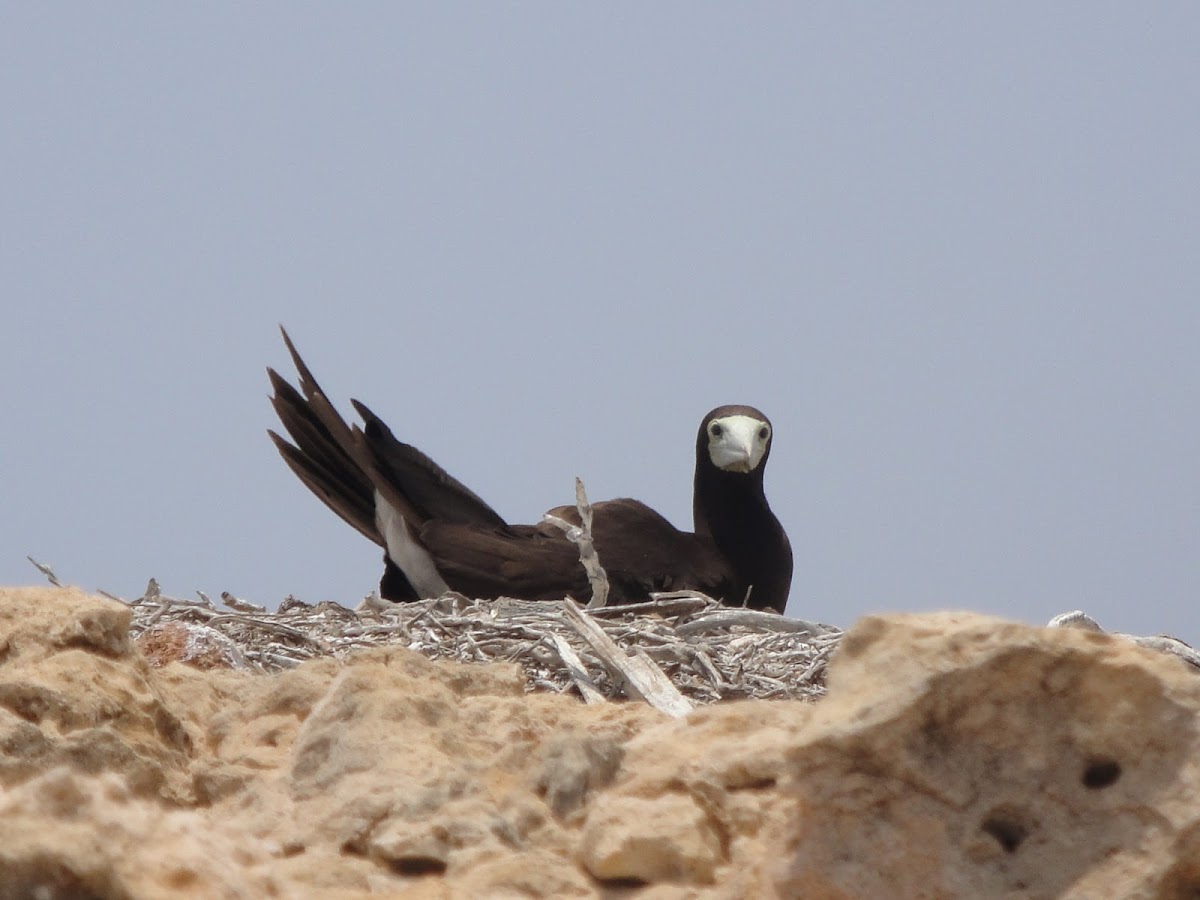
74,691
966,756
669,837
70,835
954,756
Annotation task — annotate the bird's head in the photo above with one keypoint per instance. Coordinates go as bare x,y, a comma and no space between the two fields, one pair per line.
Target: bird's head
737,438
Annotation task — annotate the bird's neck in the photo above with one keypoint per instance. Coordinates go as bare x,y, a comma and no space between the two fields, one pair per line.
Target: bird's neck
731,509
724,503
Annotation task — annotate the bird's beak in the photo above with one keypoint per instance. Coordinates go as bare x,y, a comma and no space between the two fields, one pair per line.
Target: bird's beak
733,456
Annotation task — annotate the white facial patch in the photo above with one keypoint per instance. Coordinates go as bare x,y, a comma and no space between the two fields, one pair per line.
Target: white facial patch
412,559
737,443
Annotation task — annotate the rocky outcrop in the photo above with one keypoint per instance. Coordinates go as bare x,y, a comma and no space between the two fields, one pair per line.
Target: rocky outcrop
954,756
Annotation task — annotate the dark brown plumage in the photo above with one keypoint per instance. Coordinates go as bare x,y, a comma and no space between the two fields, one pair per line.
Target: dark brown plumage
438,534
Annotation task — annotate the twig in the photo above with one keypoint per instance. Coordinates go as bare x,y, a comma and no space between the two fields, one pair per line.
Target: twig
45,570
581,536
205,600
241,605
164,605
766,621
579,675
641,676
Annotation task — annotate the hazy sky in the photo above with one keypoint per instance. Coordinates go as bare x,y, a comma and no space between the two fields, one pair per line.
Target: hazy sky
953,250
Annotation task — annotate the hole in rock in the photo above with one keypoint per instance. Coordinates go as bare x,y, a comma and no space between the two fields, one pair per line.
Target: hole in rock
417,866
1101,773
622,884
1008,832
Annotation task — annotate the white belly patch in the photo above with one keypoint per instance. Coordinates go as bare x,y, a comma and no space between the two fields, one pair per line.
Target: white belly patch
404,550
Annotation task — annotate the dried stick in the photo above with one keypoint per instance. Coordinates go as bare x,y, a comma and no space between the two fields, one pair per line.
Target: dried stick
579,674
45,570
581,536
642,677
751,618
241,605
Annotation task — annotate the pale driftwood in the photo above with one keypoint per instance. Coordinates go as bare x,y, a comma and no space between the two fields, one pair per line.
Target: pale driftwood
581,536
583,682
45,570
240,605
159,612
205,600
370,603
767,621
668,603
267,623
642,677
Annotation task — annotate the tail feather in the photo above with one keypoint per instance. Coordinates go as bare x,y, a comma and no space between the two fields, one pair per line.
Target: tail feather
368,477
342,446
356,508
312,438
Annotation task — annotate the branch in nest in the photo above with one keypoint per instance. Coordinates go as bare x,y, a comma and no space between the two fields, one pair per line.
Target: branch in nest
641,676
581,536
577,670
241,605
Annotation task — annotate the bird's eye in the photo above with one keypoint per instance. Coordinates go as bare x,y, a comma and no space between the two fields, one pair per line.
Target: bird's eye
763,432
715,430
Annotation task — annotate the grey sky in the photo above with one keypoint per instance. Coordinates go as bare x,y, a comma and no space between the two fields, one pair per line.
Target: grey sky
951,249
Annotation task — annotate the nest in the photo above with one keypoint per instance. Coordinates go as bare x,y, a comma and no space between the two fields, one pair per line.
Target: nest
674,651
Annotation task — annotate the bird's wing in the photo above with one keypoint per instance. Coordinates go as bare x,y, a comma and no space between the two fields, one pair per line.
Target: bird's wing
433,492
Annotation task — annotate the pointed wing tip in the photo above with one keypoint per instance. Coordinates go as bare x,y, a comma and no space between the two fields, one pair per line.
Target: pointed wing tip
287,341
280,442
307,383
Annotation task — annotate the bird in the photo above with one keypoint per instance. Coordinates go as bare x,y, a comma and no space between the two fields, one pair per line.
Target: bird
438,535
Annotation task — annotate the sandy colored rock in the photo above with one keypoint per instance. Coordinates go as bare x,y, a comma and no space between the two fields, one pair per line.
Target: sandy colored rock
74,691
669,837
64,834
977,757
955,756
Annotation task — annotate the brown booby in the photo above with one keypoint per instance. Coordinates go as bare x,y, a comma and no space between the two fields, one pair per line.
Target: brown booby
438,535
